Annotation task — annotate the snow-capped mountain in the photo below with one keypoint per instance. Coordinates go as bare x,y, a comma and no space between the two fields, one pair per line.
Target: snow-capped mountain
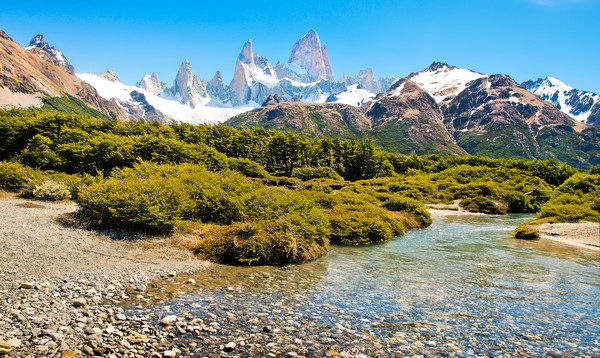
581,105
306,77
367,81
254,77
152,84
444,82
141,104
188,88
40,47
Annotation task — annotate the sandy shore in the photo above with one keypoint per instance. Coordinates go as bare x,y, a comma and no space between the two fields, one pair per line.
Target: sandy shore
583,235
444,210
33,245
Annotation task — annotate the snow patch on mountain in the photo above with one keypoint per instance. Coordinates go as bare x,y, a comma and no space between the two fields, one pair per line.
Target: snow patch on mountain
444,82
169,106
353,96
580,105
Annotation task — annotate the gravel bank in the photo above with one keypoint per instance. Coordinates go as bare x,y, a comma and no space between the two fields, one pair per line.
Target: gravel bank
60,288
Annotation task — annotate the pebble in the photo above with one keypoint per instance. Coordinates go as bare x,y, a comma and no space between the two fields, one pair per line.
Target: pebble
168,320
4,347
26,285
79,302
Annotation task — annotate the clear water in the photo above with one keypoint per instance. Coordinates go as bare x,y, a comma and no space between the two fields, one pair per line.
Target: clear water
461,287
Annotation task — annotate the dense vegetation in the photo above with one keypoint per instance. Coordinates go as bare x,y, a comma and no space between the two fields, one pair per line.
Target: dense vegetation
256,196
575,200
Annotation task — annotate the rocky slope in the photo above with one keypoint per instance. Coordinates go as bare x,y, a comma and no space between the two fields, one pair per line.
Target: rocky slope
40,47
495,116
312,119
406,118
581,105
26,78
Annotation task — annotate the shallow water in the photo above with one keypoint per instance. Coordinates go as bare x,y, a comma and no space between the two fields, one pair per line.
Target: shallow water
462,287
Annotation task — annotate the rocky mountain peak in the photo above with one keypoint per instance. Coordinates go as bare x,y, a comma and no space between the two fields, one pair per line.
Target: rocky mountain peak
188,86
273,100
246,55
216,88
38,41
436,66
40,47
217,78
309,61
152,84
111,76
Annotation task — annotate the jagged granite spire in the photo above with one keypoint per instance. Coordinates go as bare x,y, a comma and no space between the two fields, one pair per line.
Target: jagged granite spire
152,84
40,47
189,86
309,61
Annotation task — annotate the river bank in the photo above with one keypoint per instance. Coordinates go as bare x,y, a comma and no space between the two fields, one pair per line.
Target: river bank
60,287
67,292
445,210
584,235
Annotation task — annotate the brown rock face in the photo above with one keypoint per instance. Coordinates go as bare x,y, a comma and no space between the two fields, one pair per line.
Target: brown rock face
407,119
26,73
40,47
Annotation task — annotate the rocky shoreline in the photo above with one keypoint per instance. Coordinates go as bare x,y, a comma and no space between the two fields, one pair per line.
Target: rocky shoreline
67,292
62,289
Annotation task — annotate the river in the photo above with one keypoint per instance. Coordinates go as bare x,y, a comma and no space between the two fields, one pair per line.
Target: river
462,287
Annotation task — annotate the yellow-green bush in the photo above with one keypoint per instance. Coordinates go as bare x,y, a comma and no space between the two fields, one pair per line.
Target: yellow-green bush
526,232
316,173
362,225
482,204
247,167
290,238
14,176
570,213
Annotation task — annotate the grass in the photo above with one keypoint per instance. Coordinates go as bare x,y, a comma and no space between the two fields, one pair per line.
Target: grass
29,204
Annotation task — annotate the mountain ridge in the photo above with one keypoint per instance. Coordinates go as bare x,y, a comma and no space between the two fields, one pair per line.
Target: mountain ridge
445,109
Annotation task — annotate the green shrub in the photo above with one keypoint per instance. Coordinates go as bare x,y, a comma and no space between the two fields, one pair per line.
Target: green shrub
362,225
135,200
526,232
247,167
402,204
291,238
571,213
52,191
14,176
482,204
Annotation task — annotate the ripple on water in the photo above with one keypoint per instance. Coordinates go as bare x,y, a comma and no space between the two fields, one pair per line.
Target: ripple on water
461,286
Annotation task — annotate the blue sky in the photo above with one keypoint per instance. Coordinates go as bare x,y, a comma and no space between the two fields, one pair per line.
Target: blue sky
526,39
